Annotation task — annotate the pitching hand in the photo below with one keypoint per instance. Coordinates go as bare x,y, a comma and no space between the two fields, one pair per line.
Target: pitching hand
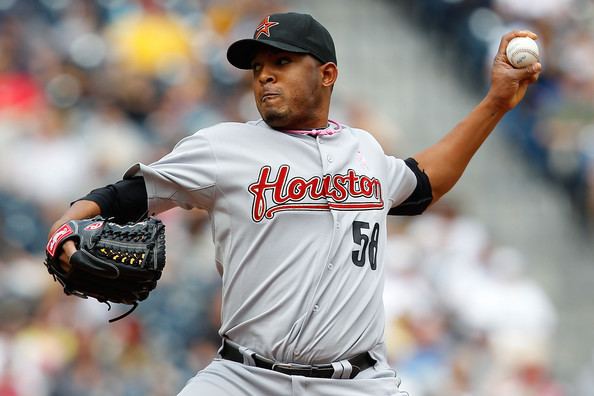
508,84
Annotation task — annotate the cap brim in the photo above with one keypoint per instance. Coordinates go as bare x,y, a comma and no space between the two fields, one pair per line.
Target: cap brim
241,53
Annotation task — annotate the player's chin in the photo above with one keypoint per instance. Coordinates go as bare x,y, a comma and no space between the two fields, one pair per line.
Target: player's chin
275,118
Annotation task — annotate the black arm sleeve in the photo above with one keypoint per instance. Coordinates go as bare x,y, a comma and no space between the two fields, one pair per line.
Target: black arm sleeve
123,201
420,198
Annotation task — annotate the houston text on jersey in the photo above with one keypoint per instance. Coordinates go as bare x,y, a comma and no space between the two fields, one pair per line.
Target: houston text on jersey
348,191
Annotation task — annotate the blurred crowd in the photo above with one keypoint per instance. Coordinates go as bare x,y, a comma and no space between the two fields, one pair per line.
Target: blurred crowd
554,126
464,317
89,87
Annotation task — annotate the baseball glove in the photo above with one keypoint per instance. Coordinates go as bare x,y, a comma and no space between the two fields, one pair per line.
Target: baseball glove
114,263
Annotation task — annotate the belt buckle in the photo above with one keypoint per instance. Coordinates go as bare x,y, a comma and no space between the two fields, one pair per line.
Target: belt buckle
293,369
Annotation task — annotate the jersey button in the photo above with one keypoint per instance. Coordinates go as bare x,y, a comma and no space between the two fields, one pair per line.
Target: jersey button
330,266
330,158
316,308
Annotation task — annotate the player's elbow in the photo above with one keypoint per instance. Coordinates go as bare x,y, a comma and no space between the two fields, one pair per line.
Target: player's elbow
442,182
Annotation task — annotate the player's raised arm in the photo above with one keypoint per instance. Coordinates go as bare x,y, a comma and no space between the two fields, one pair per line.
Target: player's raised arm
445,161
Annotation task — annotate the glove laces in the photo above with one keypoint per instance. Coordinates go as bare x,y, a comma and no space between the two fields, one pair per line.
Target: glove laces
122,316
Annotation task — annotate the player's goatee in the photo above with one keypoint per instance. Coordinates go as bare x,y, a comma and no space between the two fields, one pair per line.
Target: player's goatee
275,119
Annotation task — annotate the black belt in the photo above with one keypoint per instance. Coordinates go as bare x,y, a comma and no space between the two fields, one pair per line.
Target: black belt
358,363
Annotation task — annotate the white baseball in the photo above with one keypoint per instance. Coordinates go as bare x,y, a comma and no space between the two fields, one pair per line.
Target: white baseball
522,52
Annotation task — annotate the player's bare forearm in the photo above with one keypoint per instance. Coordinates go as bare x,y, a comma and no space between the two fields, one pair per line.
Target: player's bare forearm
445,161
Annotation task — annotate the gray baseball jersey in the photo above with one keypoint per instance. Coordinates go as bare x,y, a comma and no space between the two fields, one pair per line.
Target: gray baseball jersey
299,225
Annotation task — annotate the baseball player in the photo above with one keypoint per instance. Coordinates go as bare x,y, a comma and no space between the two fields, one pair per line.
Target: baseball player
298,204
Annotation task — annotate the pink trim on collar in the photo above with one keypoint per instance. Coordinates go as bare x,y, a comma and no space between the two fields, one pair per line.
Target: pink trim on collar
332,128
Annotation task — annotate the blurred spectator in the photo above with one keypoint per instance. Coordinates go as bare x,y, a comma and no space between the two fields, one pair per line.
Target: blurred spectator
149,40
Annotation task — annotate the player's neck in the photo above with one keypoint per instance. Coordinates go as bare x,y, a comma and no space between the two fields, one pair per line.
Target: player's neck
330,129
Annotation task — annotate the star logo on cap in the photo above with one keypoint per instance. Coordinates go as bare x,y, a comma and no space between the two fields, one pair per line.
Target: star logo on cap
264,27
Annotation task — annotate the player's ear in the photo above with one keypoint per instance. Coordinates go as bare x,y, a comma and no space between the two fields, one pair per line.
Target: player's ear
329,72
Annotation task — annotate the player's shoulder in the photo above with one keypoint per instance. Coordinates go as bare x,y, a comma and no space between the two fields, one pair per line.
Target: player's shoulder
362,135
226,129
356,131
214,135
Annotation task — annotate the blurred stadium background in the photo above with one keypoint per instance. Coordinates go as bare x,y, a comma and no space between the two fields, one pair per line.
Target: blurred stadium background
491,292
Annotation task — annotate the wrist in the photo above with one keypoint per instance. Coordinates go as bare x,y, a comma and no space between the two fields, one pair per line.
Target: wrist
495,105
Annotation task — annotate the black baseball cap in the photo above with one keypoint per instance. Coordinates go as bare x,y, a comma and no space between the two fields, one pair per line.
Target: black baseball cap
291,32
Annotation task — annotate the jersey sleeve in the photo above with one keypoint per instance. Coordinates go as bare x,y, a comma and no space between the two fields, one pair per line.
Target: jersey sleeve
409,190
420,198
186,177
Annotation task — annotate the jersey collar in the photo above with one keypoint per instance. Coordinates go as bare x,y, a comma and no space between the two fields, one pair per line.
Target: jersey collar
332,128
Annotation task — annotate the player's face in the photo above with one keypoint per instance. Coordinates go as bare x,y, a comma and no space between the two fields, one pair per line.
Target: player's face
288,89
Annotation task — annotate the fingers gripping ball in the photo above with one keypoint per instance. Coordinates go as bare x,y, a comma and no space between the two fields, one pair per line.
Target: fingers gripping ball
113,263
522,52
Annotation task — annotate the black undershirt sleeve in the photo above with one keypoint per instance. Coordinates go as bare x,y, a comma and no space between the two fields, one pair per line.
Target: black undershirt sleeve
124,201
420,198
